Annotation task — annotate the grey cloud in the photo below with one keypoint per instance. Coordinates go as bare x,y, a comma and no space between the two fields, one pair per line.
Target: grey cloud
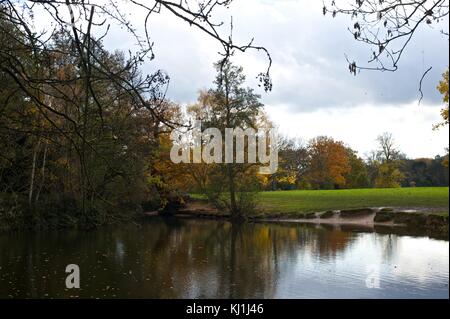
309,70
317,47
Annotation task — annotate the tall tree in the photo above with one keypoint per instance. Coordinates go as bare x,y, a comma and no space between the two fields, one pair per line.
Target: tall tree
231,105
390,159
387,150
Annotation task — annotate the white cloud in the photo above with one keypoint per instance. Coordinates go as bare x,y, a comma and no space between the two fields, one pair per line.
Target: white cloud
410,124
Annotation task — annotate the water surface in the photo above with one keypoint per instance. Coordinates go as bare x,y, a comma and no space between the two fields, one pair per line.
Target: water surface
215,259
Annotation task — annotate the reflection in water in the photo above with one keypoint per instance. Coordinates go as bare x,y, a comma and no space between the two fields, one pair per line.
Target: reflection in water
174,258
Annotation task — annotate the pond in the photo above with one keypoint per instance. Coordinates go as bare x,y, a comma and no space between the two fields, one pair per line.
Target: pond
185,258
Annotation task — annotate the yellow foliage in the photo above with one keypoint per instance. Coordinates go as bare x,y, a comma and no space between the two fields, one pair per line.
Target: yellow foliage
443,89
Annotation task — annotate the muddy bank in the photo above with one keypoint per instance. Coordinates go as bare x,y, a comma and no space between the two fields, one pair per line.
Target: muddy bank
384,220
415,222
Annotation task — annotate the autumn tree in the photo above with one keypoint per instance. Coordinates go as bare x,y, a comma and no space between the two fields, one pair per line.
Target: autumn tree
389,176
82,160
358,176
443,89
328,163
230,105
17,117
169,182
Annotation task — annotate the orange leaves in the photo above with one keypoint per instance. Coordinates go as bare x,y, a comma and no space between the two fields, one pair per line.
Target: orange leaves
328,162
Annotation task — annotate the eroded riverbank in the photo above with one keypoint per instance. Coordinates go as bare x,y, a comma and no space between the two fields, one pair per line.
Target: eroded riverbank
407,221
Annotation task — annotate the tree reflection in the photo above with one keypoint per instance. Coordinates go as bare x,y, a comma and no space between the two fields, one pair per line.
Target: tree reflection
172,258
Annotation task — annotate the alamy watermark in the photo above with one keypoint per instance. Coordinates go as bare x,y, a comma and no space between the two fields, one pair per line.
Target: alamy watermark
373,278
73,279
207,147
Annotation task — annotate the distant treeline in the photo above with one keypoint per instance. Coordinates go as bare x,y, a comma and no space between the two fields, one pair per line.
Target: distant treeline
423,172
324,163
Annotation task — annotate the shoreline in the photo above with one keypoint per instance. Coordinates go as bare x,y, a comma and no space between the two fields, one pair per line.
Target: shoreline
407,221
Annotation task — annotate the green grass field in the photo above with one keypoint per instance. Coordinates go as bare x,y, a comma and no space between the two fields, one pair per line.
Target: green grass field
322,200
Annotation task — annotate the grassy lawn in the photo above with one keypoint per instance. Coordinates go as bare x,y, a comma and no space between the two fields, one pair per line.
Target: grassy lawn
313,201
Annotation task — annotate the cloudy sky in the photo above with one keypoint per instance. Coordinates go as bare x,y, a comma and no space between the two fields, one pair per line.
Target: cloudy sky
313,92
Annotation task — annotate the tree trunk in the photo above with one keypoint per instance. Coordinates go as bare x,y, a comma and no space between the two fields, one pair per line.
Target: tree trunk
44,159
33,173
234,210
